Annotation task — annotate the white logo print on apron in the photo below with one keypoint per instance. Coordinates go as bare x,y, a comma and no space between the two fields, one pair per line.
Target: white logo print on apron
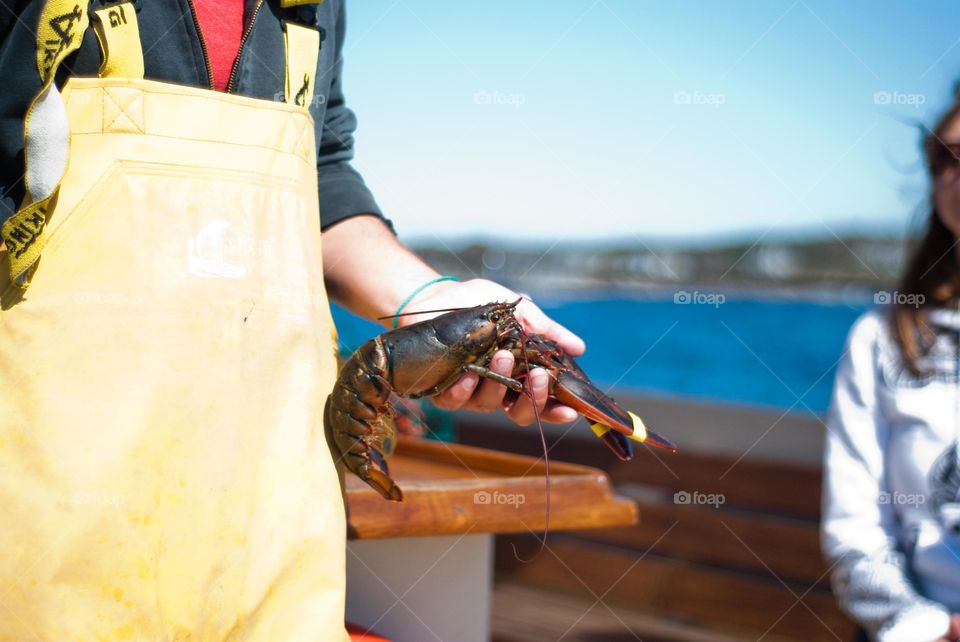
206,257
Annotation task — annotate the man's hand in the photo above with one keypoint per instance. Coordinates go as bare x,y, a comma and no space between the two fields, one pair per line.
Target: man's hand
486,396
370,272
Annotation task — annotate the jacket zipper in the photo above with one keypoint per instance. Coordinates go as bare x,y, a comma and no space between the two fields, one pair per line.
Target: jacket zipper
243,41
203,44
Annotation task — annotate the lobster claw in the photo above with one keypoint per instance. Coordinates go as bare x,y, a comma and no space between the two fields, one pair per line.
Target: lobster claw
610,422
620,444
614,440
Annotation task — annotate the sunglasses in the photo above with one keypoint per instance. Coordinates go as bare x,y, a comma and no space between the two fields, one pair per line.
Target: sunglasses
941,156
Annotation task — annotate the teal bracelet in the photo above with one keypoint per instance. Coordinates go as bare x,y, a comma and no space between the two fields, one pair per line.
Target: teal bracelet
396,315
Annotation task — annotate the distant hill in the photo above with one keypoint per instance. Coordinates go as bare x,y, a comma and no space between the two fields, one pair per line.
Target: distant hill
835,263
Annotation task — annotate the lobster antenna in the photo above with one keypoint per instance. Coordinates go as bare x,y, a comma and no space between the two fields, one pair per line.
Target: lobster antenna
408,314
546,459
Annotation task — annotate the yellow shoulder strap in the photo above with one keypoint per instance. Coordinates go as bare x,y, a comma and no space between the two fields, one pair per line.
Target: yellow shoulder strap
46,137
46,129
302,45
119,36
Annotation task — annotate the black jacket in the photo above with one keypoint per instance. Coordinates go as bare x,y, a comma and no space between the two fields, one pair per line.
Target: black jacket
174,52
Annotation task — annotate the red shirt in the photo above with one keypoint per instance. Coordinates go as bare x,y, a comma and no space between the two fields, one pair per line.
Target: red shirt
221,22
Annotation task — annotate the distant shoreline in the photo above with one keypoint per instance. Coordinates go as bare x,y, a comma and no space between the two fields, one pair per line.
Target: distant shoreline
542,290
832,269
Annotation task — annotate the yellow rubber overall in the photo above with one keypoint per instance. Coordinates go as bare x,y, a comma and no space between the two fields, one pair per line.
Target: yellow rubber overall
163,469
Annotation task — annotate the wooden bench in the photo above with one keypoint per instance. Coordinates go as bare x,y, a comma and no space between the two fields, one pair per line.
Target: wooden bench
746,566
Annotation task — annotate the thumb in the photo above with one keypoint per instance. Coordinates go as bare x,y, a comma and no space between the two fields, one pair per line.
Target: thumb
535,321
571,343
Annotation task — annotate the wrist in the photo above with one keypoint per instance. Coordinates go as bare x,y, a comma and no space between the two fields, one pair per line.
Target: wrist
367,270
407,308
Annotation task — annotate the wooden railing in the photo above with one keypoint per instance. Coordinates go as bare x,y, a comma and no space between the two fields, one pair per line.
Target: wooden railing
740,558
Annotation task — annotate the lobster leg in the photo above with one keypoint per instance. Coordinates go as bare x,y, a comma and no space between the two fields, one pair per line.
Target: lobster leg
513,384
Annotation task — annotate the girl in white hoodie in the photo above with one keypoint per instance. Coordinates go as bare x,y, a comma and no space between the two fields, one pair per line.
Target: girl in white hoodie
891,518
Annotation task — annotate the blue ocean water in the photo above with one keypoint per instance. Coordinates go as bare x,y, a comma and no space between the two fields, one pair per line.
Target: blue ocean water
770,352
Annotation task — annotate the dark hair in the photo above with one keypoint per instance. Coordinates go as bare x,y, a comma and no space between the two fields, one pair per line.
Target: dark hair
933,271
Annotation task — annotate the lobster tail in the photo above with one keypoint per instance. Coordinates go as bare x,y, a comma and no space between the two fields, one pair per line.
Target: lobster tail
360,418
378,476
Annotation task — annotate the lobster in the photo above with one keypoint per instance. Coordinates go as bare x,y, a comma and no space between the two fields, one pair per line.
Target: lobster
425,358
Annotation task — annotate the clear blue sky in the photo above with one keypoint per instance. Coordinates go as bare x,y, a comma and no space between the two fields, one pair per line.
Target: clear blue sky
568,120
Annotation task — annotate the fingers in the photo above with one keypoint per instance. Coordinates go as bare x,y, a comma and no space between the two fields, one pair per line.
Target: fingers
488,396
470,393
571,343
409,427
458,394
556,413
521,411
473,393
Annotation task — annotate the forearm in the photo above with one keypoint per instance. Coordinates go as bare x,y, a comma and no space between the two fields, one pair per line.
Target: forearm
368,270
